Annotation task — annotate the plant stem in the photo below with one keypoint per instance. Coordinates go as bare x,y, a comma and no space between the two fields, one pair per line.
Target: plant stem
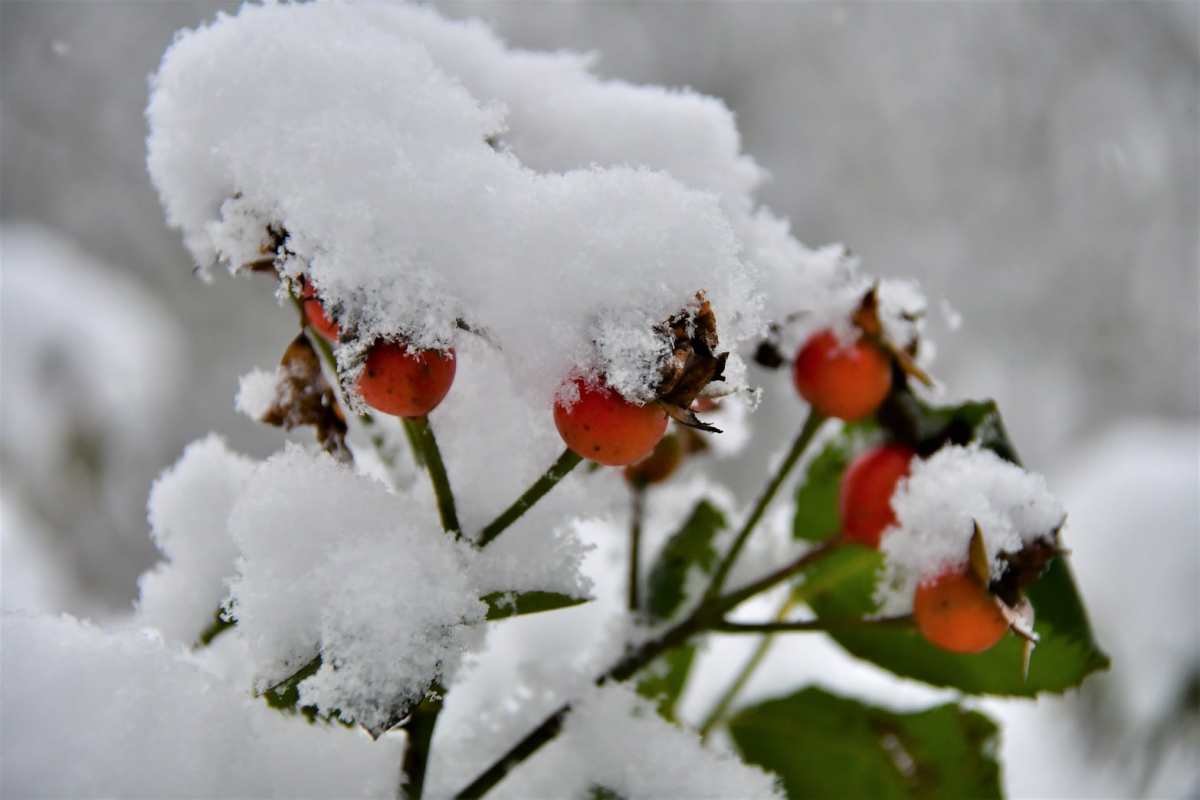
566,462
219,625
810,556
637,512
905,621
421,432
811,425
739,683
417,749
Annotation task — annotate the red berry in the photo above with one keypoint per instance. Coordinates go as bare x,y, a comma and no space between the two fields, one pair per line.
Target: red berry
315,312
403,382
844,382
659,465
703,404
865,498
605,427
955,612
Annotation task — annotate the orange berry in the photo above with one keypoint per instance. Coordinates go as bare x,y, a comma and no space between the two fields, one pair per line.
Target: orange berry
315,312
865,497
703,404
605,427
956,613
659,465
848,383
405,383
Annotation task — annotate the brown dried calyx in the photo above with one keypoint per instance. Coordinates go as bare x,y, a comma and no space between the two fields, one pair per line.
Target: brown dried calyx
304,397
866,318
693,364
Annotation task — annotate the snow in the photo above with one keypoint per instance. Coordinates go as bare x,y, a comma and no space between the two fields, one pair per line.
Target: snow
188,507
407,220
613,738
257,391
95,713
332,563
937,507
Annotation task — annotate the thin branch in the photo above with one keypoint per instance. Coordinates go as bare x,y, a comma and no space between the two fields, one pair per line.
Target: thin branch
795,626
566,462
419,728
812,555
427,445
637,513
811,425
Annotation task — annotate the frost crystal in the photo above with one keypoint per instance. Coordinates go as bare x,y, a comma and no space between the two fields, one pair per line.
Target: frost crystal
937,508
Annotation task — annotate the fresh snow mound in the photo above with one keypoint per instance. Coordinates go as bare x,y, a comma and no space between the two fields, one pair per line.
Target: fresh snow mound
330,123
938,505
188,507
334,564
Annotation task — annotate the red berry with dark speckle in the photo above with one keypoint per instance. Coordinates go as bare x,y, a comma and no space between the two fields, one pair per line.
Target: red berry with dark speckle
405,383
848,383
605,427
865,498
315,312
956,613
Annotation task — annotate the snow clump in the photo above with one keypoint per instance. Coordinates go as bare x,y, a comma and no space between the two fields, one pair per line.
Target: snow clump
334,564
188,508
327,131
937,508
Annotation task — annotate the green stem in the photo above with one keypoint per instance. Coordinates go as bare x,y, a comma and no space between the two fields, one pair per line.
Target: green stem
417,749
421,432
219,625
637,512
719,710
810,556
795,626
811,425
566,462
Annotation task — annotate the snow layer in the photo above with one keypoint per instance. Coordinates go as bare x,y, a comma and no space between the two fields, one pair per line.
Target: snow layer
938,505
90,713
330,122
188,507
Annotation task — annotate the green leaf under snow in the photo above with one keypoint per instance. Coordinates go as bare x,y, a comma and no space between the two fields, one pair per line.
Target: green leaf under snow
502,605
663,680
842,585
823,745
690,546
598,792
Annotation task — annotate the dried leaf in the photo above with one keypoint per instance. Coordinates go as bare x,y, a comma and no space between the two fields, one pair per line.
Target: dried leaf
693,364
304,397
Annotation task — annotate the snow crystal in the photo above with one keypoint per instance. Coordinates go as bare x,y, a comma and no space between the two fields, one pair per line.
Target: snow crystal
331,123
188,507
614,739
257,392
334,564
937,508
90,713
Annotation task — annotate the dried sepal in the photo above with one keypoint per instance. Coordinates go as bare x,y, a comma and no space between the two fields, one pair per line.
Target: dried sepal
866,319
304,397
693,363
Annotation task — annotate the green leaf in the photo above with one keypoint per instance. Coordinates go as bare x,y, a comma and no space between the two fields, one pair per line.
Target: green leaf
842,585
817,516
823,745
690,546
663,680
928,428
598,792
502,605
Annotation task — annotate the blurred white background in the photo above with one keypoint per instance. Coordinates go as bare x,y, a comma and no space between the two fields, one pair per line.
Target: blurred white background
1035,166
